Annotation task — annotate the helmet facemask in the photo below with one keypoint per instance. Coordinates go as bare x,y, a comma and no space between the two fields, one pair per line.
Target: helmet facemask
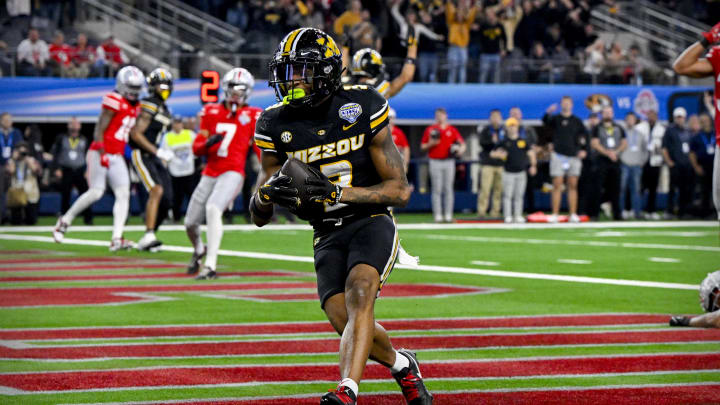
302,81
163,90
236,93
160,82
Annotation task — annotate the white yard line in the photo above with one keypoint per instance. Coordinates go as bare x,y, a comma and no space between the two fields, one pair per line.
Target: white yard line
190,325
461,349
663,260
401,226
484,263
530,241
332,363
312,336
574,261
441,269
366,394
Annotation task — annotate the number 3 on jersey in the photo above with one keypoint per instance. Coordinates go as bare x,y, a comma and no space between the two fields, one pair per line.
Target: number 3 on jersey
342,170
229,130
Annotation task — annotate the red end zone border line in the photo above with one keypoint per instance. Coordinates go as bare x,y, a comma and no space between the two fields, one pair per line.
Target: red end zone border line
687,394
25,297
175,377
324,326
331,345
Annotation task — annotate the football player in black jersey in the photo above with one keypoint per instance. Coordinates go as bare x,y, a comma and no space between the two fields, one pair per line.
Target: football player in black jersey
367,67
341,131
149,159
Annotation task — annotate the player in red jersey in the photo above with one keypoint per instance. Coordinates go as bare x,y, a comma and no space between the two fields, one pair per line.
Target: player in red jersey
399,139
692,63
226,133
105,160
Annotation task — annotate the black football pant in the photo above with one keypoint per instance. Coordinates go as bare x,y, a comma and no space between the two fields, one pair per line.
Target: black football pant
682,183
706,204
650,180
73,178
607,183
152,171
27,215
183,187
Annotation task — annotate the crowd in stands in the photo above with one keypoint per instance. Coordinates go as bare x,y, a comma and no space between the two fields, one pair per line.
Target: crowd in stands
60,59
459,40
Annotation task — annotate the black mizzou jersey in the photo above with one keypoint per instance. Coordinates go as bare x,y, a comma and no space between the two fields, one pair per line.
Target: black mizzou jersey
335,138
160,119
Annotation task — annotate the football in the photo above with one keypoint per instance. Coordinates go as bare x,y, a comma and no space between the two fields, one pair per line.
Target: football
298,173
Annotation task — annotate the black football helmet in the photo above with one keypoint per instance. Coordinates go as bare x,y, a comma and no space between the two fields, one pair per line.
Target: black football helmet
305,55
160,82
368,63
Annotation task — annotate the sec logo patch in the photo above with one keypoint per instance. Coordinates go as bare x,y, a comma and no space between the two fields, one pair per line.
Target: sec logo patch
286,136
521,144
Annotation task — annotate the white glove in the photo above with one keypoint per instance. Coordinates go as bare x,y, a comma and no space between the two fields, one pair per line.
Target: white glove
165,154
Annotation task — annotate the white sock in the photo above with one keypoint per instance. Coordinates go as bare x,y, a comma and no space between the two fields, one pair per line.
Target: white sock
348,382
400,363
120,210
213,216
84,201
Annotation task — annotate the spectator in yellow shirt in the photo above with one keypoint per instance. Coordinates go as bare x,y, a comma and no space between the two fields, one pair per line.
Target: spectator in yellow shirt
349,18
459,20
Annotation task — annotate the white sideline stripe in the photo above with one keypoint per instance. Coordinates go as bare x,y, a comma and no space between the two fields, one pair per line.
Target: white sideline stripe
574,261
191,325
421,267
11,391
332,363
17,344
496,239
376,393
255,384
304,337
422,226
664,260
399,334
460,349
484,263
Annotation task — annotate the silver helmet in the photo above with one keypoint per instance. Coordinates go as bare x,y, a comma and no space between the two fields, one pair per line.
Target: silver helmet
129,82
237,84
709,291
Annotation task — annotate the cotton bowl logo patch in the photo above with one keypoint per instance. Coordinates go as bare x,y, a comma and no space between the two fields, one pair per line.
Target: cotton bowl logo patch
286,136
350,112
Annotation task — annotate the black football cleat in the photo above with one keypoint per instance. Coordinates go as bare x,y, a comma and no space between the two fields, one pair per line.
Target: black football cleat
194,265
680,321
411,383
207,274
340,396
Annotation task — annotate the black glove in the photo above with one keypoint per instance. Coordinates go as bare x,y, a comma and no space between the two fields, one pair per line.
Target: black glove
276,191
680,321
213,139
321,190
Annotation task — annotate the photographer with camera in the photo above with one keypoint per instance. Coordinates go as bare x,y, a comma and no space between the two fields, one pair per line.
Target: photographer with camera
9,139
443,144
24,192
